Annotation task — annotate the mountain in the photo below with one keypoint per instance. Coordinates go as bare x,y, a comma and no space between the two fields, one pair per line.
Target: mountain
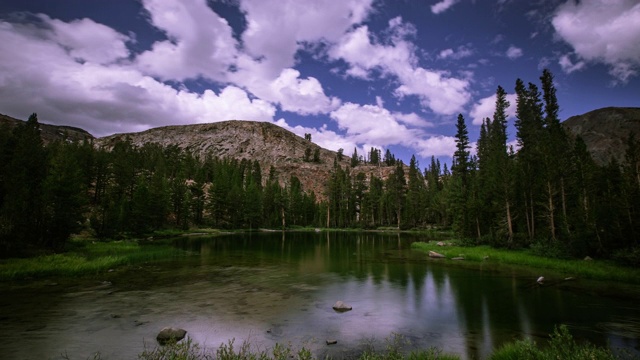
50,133
606,131
265,142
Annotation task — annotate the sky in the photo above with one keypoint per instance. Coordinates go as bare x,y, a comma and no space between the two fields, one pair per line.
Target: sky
355,74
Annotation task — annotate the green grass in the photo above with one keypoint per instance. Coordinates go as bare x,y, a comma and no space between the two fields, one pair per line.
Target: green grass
596,269
561,346
85,257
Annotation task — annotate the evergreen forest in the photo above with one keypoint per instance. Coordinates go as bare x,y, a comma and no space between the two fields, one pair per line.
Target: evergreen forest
546,194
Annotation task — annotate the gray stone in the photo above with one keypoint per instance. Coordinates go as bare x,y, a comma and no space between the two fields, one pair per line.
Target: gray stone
341,306
170,334
587,258
332,342
436,255
458,258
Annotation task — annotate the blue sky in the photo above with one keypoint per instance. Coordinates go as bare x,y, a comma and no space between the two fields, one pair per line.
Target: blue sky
354,73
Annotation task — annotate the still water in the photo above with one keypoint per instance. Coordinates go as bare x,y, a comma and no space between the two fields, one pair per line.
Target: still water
273,288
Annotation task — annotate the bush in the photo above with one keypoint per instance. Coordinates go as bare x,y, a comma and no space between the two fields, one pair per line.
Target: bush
561,346
630,257
550,249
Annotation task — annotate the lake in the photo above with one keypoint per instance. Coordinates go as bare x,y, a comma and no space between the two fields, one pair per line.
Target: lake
277,287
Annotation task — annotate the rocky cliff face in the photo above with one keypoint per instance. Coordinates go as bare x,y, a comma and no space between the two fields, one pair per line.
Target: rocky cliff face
271,145
606,131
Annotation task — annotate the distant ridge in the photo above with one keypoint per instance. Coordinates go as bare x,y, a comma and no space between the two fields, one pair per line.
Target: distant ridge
606,131
50,133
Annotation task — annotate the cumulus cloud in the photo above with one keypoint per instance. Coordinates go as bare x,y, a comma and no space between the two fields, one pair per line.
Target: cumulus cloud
436,146
102,99
436,89
442,6
296,22
371,124
485,107
606,32
514,52
87,40
200,43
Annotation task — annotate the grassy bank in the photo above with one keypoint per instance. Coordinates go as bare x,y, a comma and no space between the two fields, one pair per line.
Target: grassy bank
561,345
593,269
86,257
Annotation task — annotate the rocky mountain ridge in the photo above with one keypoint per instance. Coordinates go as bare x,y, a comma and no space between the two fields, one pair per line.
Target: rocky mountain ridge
265,142
606,131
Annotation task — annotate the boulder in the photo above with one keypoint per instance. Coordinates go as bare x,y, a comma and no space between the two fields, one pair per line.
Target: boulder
332,342
436,255
587,258
440,243
170,334
341,306
540,280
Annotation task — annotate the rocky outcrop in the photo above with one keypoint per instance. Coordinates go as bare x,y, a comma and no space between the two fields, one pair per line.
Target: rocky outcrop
606,131
265,142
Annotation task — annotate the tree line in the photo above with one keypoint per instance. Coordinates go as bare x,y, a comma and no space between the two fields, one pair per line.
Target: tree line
547,194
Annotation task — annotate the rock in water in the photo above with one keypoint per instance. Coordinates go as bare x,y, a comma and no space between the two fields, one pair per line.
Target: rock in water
170,334
540,280
436,255
341,306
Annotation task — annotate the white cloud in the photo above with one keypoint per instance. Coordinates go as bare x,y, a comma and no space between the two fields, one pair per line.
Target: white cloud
485,108
372,124
102,99
442,6
514,52
436,146
436,89
460,53
568,66
88,40
606,32
412,119
303,96
276,30
200,43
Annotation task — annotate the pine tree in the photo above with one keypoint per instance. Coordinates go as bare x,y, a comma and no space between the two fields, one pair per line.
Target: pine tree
460,180
22,212
529,134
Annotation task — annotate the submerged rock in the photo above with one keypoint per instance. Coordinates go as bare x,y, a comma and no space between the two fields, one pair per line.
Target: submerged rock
332,342
436,255
540,280
341,306
170,334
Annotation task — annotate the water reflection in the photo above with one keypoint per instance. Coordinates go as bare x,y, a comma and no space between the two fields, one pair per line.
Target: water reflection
279,287
396,290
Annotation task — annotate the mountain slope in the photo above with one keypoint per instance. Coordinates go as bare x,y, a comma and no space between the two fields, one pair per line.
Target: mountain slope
606,131
267,143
